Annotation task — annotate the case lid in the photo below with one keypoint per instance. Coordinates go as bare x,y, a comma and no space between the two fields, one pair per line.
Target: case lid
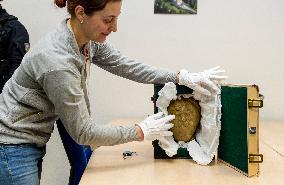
238,142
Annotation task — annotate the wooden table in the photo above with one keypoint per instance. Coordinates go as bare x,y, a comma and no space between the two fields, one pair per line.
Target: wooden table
107,166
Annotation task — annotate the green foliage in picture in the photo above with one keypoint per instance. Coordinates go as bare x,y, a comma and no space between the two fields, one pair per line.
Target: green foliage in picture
175,6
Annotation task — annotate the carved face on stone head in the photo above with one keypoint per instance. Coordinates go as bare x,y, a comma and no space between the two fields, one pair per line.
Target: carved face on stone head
188,114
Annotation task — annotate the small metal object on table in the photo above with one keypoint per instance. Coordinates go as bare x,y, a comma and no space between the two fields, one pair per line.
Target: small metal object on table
127,154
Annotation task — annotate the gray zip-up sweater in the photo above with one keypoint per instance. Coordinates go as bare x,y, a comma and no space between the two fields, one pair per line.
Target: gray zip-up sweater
50,83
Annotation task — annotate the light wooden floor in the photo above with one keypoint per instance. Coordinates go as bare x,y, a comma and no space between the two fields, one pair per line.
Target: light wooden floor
107,167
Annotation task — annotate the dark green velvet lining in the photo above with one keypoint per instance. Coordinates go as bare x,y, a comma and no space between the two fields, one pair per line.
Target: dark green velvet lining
233,137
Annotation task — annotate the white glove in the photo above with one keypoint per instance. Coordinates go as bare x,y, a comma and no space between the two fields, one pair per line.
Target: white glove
203,82
169,145
156,126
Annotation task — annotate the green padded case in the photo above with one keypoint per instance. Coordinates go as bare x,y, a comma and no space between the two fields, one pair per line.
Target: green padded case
239,136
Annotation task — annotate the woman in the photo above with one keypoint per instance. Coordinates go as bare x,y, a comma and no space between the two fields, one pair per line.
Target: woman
51,83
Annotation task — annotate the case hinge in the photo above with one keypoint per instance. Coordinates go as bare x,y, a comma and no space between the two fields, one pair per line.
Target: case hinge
255,158
256,103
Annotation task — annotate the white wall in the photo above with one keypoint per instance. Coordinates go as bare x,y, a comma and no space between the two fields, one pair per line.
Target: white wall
244,37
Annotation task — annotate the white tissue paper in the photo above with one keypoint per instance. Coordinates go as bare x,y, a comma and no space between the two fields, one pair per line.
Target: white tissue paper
166,94
206,142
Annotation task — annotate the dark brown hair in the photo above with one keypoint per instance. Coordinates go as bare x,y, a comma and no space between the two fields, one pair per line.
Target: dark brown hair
90,6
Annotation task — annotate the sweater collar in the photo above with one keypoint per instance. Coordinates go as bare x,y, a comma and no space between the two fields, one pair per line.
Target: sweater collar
70,39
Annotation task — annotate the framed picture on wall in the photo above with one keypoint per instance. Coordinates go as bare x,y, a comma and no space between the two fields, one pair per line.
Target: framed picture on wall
175,7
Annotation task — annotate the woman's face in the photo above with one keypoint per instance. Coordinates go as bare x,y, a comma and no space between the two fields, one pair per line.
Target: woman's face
99,25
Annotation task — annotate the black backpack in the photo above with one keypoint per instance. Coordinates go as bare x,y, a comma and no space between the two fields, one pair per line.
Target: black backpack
4,63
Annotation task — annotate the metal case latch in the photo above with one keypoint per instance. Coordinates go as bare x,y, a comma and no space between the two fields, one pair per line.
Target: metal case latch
252,130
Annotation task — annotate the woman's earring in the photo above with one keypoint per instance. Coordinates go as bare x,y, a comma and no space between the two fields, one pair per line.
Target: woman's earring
82,22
